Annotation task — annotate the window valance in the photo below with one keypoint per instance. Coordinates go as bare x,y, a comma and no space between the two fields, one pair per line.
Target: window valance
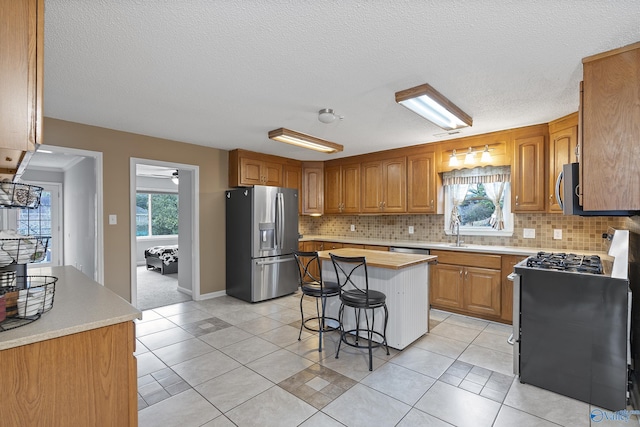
479,175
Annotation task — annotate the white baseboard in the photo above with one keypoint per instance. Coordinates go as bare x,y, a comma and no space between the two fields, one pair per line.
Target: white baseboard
212,295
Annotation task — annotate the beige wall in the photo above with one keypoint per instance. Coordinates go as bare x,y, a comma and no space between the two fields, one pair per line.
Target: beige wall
117,148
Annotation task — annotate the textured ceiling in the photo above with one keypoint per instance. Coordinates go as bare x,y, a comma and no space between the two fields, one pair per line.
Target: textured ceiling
223,73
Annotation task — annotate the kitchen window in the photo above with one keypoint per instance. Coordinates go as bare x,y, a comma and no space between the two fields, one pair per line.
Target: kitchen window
156,214
479,200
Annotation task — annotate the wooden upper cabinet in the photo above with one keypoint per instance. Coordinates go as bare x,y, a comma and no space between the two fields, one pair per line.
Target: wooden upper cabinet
528,175
21,76
332,189
342,188
563,140
351,188
312,188
421,183
384,186
611,130
247,168
292,178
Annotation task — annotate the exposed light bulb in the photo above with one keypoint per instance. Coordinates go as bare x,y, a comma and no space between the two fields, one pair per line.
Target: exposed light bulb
486,156
453,160
469,158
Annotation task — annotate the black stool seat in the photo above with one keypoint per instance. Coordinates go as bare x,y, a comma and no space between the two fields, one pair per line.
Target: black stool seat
315,289
359,299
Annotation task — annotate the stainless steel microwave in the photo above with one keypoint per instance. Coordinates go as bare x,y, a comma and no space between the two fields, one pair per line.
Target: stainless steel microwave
568,180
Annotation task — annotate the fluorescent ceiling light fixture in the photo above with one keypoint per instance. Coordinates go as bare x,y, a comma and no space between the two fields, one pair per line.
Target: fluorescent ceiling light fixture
304,141
433,106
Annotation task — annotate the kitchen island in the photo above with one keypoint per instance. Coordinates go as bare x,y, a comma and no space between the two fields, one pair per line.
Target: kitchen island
403,278
75,365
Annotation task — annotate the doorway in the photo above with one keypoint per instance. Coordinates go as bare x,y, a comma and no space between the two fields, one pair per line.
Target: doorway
143,185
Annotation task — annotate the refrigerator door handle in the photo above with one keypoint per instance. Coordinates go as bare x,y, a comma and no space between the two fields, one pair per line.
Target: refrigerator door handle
279,219
275,261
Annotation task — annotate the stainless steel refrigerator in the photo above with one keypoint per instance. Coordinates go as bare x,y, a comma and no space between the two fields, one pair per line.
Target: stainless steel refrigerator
262,233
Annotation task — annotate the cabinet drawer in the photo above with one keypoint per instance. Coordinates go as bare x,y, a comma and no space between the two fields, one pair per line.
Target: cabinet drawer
468,259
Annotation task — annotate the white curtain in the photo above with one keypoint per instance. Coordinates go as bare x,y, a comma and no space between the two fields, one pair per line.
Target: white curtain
458,192
494,192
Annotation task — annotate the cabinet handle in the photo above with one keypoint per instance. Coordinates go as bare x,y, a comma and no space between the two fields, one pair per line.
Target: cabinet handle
460,272
384,205
517,200
431,204
466,273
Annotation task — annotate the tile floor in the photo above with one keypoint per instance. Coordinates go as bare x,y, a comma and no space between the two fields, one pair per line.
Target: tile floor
224,362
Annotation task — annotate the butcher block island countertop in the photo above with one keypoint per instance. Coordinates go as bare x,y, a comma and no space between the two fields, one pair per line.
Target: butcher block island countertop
390,260
75,365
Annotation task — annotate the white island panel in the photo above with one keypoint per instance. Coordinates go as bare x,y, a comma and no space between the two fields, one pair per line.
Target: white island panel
407,291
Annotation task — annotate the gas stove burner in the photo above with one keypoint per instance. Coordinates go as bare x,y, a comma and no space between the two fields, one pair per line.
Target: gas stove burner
566,262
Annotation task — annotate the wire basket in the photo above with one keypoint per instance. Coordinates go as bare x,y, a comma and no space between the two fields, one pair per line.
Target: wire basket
27,300
17,195
23,250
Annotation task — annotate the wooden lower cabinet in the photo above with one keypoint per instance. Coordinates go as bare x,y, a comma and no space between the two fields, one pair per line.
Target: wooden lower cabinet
467,283
83,379
446,286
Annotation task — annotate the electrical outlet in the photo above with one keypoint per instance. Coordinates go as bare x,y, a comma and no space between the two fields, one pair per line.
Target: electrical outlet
529,233
557,234
353,227
411,230
113,219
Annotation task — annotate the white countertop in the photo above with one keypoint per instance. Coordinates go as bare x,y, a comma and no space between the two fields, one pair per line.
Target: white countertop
488,249
80,304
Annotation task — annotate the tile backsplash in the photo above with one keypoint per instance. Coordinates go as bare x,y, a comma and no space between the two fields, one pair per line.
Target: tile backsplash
578,233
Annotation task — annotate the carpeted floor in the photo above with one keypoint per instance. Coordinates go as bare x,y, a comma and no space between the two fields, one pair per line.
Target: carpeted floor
157,290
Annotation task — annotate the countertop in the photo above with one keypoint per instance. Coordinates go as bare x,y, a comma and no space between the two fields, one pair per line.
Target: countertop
488,249
389,260
80,304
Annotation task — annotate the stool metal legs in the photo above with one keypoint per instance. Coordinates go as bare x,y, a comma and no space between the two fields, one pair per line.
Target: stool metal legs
370,332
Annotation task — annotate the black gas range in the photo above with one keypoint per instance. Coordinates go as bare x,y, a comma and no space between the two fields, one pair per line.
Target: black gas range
566,262
572,323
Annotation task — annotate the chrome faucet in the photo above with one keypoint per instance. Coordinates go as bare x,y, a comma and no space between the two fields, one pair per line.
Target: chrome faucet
457,231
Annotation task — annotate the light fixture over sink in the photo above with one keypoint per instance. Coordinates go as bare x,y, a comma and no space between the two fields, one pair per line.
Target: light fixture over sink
304,140
427,102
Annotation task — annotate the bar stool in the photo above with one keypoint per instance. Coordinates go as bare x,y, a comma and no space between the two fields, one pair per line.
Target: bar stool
311,284
351,273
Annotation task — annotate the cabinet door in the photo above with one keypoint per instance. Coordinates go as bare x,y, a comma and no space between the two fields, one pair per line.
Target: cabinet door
562,147
394,185
351,188
372,187
292,178
250,171
611,131
527,183
482,291
272,174
21,75
508,262
445,289
312,190
421,183
333,189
